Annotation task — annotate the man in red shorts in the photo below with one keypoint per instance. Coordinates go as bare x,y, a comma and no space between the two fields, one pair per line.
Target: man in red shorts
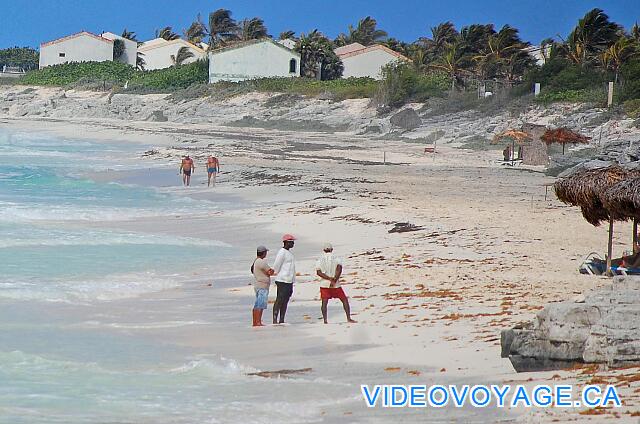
329,268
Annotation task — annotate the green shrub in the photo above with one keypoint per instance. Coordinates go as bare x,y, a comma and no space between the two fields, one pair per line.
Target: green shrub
339,89
591,95
402,83
172,78
70,73
632,108
109,74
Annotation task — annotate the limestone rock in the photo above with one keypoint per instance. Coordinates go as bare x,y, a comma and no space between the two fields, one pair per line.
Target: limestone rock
603,328
407,119
157,116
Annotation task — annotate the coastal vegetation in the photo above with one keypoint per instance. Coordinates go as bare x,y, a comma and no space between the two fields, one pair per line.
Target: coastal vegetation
448,62
22,57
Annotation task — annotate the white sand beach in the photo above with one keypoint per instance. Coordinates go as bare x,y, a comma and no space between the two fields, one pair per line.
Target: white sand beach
489,249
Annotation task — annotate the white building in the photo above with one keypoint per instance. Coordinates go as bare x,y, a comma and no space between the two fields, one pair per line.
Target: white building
539,53
130,48
288,43
160,53
366,61
253,59
81,47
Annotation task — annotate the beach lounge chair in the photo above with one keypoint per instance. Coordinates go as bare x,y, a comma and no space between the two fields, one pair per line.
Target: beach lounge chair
593,264
621,270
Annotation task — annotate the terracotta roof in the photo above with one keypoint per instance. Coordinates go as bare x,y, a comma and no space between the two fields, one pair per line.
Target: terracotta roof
155,45
78,34
349,48
242,44
370,49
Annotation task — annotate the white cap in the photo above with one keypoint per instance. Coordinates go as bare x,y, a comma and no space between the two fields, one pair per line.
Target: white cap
327,246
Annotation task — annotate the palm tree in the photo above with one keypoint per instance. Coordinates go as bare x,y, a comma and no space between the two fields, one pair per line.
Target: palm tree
183,54
452,62
365,33
129,35
167,34
252,29
287,35
619,53
140,62
196,32
504,55
441,35
398,46
593,34
318,60
222,28
635,32
118,49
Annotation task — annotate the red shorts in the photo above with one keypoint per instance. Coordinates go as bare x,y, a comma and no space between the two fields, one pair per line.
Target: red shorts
327,293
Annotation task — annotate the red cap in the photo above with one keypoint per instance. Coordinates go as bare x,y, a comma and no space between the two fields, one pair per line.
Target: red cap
288,237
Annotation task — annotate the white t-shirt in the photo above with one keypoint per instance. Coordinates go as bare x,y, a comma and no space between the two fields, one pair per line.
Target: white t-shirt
285,266
327,264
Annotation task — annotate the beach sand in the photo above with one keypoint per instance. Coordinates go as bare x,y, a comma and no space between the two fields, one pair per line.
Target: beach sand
487,249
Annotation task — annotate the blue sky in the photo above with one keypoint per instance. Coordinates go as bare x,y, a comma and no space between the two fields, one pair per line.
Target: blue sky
30,22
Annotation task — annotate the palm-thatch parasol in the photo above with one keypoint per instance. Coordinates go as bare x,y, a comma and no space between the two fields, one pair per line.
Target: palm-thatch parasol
563,135
623,202
586,189
512,136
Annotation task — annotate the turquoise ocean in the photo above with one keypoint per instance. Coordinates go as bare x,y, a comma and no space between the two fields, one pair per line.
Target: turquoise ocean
67,273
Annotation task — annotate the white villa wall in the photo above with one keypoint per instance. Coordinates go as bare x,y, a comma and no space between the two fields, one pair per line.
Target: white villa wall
81,48
130,48
367,64
258,60
157,55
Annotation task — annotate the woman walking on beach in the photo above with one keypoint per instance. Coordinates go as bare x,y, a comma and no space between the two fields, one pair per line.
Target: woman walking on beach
285,269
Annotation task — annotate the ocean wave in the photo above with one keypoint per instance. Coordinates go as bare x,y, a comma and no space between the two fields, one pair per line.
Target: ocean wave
87,291
88,238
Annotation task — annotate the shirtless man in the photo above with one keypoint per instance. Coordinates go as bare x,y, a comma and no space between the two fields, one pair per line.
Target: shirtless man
213,167
186,168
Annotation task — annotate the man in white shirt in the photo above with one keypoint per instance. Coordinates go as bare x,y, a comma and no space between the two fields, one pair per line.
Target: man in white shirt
329,269
285,269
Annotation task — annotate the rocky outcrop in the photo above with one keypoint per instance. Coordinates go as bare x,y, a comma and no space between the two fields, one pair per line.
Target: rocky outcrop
407,119
602,328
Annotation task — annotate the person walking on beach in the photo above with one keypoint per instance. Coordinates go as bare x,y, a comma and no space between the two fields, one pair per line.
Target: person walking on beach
186,169
213,167
285,268
262,272
329,269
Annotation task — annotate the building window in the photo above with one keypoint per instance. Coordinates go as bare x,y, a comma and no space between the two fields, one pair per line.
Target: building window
62,54
293,66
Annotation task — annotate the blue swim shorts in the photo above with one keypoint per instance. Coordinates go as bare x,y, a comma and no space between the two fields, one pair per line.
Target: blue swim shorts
262,296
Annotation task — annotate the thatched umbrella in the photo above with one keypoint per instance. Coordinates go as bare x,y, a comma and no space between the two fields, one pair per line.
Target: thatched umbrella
513,136
623,202
586,188
563,135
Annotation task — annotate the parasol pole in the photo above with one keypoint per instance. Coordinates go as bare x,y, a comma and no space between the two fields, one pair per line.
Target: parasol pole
635,234
610,246
563,148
